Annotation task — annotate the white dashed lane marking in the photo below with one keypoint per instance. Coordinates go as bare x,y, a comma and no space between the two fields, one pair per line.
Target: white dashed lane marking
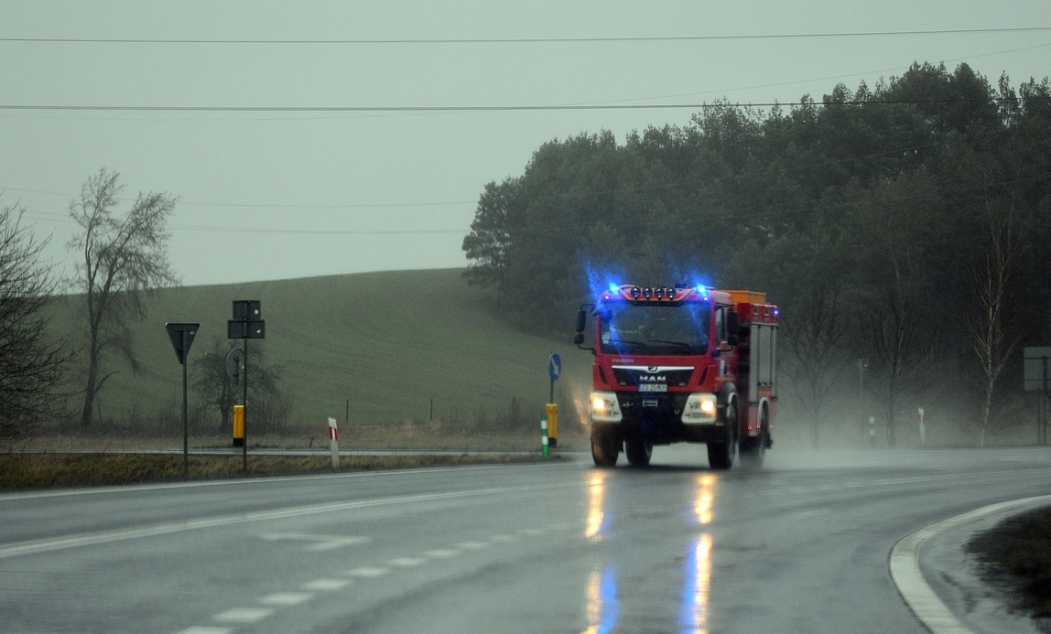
367,572
441,553
284,599
244,615
407,562
317,543
326,585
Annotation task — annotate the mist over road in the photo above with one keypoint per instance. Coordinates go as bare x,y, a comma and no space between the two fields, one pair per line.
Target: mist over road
799,545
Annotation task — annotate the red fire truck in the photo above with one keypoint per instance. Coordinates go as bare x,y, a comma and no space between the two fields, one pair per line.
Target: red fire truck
681,364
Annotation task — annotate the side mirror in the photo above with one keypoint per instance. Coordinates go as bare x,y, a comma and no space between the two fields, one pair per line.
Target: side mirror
733,327
732,324
581,326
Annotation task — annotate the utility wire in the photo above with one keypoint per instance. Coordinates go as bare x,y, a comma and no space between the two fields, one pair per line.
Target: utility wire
528,40
512,108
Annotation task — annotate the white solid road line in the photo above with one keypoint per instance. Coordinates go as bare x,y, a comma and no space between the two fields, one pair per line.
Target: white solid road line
905,567
38,546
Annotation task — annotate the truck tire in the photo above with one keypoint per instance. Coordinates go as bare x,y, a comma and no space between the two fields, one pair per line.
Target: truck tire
639,452
721,452
604,451
753,450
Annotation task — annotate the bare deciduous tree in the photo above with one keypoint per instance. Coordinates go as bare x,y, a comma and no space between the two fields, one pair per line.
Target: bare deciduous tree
30,365
123,259
994,338
269,405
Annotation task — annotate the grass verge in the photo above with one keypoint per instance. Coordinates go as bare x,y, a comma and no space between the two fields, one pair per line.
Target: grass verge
1018,552
23,471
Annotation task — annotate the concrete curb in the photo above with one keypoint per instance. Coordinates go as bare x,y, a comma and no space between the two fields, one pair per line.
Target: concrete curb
908,577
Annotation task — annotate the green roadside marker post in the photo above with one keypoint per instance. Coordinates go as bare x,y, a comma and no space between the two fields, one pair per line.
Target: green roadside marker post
543,436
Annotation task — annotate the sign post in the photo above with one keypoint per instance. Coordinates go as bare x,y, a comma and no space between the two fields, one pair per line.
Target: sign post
181,336
1037,378
246,324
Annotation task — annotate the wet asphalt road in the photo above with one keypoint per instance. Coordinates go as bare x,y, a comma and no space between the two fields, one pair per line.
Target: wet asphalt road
800,545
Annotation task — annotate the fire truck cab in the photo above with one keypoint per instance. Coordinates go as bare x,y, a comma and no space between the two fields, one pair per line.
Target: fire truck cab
680,364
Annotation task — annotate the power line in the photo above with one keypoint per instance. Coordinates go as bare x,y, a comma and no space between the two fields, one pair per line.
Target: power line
528,40
510,108
314,232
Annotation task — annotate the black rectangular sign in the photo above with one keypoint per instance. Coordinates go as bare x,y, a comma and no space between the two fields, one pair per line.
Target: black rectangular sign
247,309
246,329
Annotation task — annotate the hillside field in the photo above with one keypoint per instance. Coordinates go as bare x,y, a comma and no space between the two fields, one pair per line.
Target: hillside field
372,349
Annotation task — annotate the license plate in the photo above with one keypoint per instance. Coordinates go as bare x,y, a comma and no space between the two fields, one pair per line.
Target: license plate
653,387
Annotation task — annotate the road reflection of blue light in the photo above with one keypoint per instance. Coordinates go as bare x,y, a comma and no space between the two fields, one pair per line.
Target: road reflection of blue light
602,607
693,618
697,568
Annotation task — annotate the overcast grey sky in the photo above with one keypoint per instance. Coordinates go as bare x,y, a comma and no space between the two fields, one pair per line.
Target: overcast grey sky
296,193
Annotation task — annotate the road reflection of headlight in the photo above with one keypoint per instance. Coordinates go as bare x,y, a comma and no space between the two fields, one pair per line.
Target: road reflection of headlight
697,582
595,522
704,498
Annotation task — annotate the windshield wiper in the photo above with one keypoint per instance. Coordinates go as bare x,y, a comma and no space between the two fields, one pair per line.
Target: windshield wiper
673,343
681,344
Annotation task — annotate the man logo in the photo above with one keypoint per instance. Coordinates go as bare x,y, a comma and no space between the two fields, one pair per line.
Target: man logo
653,378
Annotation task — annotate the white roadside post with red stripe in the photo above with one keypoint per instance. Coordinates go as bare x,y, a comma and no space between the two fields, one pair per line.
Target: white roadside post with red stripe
333,436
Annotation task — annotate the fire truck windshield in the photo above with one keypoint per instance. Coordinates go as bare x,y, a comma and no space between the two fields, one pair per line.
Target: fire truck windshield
656,329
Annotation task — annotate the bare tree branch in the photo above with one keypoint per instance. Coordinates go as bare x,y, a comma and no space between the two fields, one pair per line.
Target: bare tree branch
124,260
30,364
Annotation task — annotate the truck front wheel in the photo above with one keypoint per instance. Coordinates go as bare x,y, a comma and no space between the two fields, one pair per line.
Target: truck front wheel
639,452
604,451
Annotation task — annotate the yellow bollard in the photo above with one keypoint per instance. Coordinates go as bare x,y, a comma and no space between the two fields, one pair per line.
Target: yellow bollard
239,425
551,409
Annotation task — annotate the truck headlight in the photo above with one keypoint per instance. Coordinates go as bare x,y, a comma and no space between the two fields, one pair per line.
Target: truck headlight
699,408
605,408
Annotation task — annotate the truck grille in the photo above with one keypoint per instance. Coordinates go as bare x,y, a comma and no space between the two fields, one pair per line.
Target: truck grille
672,377
649,410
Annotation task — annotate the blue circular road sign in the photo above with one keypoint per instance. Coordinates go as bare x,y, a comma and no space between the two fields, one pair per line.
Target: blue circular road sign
554,366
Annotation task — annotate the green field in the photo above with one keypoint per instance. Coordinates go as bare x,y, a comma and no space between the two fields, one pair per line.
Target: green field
405,346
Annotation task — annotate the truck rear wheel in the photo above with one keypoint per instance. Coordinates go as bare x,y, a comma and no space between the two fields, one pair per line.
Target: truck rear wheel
604,451
721,452
639,452
753,450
